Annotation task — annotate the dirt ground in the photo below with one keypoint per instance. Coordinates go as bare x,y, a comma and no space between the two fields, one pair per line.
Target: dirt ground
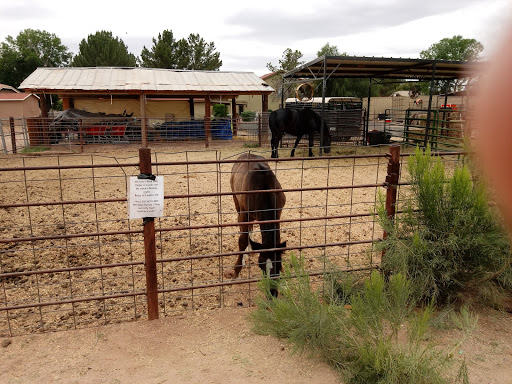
175,246
206,347
213,347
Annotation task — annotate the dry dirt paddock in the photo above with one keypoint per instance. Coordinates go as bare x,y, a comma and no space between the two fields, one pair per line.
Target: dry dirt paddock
174,245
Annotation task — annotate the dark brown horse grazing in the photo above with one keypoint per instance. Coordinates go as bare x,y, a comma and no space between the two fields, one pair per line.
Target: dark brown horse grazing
298,123
262,206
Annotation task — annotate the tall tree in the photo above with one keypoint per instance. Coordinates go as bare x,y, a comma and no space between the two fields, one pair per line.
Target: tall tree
455,48
20,56
103,50
202,55
192,53
289,61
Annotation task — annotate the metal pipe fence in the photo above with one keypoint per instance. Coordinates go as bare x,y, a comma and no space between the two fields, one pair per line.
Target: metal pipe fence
446,131
71,258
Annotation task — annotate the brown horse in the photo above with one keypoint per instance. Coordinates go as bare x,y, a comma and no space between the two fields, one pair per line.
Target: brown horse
260,206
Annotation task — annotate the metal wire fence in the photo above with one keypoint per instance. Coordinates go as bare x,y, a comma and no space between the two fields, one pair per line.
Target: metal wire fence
347,127
72,134
71,258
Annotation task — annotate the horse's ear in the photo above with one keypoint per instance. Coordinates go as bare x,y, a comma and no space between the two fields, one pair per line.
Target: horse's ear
255,246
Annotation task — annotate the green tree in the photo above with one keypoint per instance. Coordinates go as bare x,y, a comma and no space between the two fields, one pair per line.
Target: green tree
20,56
201,55
455,48
289,61
102,50
193,53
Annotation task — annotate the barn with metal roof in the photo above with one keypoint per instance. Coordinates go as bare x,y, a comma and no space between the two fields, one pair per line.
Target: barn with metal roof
142,90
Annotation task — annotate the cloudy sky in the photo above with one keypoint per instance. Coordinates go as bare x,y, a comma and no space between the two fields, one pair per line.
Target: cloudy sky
250,34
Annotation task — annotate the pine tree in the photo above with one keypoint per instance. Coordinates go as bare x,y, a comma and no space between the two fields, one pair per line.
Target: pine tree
103,50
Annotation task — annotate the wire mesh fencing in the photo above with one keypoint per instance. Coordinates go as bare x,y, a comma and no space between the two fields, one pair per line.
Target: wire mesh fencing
442,129
72,134
71,258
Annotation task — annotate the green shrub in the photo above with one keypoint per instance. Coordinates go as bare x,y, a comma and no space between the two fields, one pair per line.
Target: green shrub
448,242
248,115
220,111
360,340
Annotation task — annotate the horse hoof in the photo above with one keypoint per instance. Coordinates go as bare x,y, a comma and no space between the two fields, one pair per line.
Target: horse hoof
230,275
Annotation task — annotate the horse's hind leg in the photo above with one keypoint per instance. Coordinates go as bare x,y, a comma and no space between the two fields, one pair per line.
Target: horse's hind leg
274,143
311,143
297,141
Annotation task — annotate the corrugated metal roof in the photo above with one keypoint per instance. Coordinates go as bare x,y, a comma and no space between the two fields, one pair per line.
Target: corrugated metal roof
383,68
146,80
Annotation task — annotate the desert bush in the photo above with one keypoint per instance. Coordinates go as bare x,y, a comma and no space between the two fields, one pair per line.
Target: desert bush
449,242
378,338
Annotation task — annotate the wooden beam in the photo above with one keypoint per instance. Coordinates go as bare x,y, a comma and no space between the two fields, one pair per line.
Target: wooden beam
143,121
136,93
234,116
65,103
43,105
207,121
191,107
264,103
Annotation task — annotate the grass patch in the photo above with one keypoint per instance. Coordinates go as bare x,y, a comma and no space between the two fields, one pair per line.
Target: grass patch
251,145
40,148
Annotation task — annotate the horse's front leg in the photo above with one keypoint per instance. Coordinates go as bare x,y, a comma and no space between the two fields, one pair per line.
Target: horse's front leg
243,245
297,141
311,143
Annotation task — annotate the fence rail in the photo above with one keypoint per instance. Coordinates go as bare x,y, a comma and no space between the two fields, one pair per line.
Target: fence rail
70,258
445,130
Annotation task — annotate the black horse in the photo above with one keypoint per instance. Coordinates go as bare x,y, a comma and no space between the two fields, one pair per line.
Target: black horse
262,207
298,123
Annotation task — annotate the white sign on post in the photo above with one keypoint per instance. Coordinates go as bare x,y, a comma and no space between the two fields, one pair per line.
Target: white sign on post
145,197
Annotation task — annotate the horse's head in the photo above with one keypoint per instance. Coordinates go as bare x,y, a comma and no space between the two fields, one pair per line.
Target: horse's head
269,261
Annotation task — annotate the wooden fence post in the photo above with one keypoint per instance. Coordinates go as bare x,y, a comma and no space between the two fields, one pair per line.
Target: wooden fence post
392,182
81,135
13,135
149,245
259,130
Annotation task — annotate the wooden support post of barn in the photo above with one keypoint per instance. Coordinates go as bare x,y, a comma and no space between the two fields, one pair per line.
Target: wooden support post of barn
13,135
149,245
234,117
392,182
207,122
143,121
81,134
263,131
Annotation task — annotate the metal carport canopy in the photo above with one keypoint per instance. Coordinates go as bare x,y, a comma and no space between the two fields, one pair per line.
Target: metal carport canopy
332,67
383,68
